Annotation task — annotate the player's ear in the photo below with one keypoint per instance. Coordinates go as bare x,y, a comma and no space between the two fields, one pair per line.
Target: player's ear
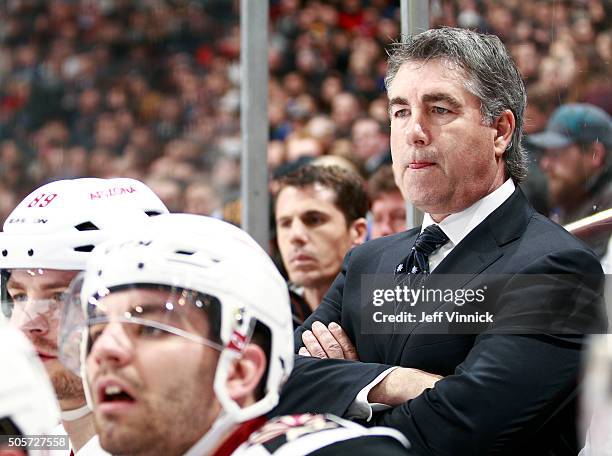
245,374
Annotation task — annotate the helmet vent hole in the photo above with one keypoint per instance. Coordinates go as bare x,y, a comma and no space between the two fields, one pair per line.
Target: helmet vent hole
86,226
140,265
84,248
183,252
152,213
30,252
5,252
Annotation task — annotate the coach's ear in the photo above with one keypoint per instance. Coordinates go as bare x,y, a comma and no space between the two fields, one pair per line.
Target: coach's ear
245,374
358,231
504,127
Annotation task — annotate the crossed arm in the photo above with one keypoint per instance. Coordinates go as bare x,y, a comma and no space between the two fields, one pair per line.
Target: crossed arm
399,386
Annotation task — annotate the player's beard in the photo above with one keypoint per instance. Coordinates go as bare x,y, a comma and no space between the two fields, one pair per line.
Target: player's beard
167,423
66,384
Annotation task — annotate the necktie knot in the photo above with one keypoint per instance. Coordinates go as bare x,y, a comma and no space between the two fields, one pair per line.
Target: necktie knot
430,239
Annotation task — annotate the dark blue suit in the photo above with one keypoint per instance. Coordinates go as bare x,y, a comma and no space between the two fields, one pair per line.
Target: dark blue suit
502,393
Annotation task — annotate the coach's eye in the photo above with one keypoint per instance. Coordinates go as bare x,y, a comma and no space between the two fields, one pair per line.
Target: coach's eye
440,110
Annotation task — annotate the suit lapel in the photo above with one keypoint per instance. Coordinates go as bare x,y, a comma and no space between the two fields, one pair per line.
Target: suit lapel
480,249
392,255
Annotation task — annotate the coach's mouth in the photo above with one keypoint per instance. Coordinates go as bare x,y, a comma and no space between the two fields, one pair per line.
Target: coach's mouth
420,164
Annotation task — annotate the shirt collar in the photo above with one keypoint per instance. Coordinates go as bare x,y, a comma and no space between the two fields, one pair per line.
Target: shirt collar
457,226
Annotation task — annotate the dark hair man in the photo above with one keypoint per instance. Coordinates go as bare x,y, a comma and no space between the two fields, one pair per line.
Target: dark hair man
320,215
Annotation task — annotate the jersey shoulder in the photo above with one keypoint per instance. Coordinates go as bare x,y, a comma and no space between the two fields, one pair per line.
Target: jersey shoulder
309,434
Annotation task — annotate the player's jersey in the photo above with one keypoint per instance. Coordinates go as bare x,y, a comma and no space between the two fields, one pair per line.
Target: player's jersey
300,435
91,448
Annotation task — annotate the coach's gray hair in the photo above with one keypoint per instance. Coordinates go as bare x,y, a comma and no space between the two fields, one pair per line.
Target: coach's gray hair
491,75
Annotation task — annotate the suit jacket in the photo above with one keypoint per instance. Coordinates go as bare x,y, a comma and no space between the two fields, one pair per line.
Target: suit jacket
501,393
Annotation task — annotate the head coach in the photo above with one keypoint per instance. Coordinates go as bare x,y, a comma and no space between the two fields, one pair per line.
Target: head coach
456,103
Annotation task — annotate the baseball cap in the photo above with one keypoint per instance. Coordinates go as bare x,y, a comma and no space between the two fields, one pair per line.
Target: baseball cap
580,123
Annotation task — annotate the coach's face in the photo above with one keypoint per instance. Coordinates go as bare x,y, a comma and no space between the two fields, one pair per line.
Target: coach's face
444,157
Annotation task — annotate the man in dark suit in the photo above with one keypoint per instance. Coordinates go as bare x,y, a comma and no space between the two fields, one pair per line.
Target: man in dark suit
456,108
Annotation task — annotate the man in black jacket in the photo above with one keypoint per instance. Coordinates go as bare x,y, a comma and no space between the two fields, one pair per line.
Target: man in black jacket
456,104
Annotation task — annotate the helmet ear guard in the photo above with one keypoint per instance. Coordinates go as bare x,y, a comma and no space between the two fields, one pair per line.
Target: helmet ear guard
274,375
208,256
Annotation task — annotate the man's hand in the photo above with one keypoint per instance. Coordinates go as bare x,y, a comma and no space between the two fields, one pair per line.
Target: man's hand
401,385
328,342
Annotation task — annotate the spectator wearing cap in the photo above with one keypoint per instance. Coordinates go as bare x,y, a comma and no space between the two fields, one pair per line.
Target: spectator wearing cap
576,145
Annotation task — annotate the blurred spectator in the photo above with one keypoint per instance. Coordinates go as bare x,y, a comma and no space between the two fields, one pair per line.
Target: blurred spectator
276,154
169,191
301,145
323,129
338,161
202,199
125,80
577,146
540,105
344,110
320,214
387,206
370,144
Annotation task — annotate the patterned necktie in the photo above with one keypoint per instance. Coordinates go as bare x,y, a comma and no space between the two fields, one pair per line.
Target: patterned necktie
417,263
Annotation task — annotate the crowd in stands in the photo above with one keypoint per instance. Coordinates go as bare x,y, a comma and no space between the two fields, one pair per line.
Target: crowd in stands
149,89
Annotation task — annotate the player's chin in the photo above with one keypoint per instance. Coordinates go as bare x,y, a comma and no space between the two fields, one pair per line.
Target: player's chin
116,440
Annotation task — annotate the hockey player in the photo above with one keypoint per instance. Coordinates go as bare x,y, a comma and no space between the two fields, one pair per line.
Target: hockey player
45,242
187,340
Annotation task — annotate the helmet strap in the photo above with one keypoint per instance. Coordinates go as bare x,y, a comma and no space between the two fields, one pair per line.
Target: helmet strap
75,414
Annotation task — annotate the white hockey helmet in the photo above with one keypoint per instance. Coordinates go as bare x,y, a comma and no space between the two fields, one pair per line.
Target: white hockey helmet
208,256
27,398
58,225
